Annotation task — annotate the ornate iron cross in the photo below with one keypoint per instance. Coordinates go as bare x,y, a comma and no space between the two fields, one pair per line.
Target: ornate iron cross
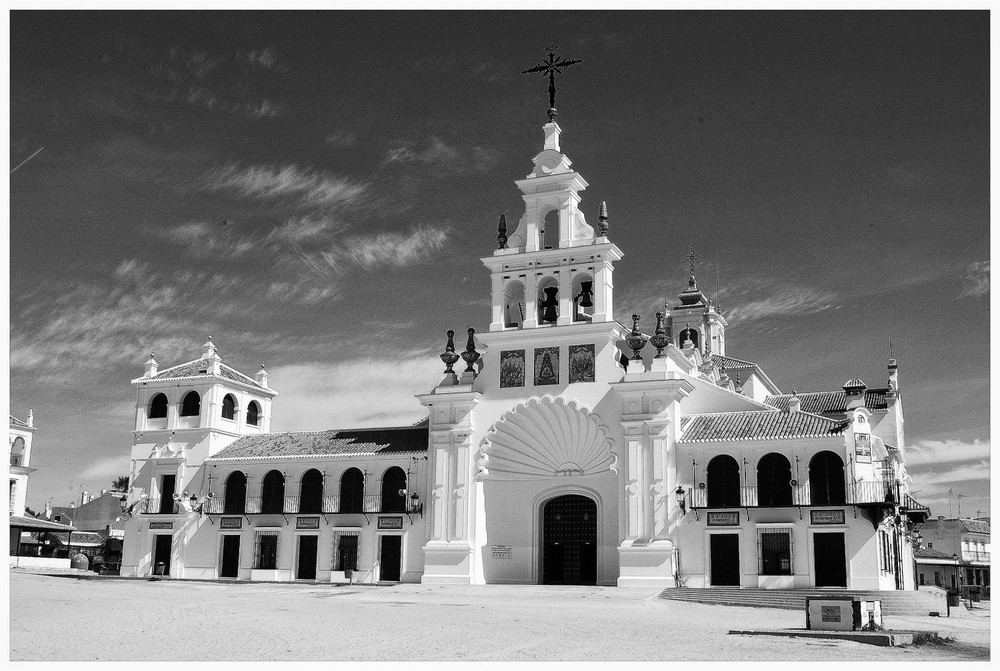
692,257
550,67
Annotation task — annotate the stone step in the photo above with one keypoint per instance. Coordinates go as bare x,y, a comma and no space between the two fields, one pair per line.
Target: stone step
893,603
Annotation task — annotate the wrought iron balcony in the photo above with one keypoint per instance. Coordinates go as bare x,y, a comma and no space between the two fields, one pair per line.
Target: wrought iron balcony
751,496
158,506
975,555
330,504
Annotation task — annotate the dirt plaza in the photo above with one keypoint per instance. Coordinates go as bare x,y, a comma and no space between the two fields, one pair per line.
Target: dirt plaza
127,619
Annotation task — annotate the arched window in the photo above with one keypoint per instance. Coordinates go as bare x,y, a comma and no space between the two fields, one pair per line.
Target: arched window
158,407
774,481
191,405
691,334
394,490
272,498
228,407
550,230
723,478
235,501
17,454
253,413
513,300
826,479
352,491
311,493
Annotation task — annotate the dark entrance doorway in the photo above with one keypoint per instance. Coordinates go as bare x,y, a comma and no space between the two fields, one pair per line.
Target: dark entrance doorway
569,544
307,558
230,557
724,552
161,554
830,560
389,558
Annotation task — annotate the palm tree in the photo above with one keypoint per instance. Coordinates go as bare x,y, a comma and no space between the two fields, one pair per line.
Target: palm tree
120,484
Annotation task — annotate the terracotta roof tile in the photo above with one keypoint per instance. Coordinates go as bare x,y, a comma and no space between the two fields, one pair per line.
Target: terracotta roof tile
199,368
825,402
333,443
976,526
35,523
756,425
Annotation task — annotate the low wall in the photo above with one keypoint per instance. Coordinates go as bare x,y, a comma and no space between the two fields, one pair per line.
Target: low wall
39,562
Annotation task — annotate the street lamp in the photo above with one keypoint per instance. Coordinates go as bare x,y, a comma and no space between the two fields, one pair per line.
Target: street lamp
679,493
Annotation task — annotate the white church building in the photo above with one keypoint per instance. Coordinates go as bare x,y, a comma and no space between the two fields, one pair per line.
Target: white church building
565,448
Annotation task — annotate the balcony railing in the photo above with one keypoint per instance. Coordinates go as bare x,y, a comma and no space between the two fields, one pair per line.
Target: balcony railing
974,555
749,496
151,506
293,505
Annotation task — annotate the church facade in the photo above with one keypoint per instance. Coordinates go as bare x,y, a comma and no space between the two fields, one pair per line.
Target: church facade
560,447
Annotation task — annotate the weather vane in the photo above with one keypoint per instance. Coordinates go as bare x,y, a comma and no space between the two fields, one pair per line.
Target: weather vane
550,67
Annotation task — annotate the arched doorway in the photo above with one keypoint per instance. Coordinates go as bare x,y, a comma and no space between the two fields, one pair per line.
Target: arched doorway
569,541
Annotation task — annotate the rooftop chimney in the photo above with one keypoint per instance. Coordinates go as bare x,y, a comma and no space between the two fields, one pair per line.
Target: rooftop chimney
83,497
261,376
854,391
794,404
151,366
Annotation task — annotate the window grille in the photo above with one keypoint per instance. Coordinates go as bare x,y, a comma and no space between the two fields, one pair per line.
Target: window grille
266,550
345,550
774,547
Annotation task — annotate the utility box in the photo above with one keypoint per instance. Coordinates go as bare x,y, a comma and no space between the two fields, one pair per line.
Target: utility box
842,613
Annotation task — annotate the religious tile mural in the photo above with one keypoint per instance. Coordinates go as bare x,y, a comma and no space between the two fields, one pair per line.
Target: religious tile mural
512,368
547,365
581,363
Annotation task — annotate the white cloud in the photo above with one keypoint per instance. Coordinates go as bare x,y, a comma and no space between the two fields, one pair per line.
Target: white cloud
976,280
941,452
392,249
109,468
972,471
784,300
359,392
309,187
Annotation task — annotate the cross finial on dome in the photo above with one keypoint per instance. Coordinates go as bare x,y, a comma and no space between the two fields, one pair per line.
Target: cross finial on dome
602,220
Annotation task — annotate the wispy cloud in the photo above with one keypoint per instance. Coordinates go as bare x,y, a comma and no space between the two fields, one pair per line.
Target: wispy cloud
109,468
941,452
976,280
435,153
392,249
357,392
309,187
783,300
342,138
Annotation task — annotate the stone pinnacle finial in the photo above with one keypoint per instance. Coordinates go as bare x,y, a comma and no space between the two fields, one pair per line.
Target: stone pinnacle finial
449,357
635,341
470,355
602,220
502,233
660,339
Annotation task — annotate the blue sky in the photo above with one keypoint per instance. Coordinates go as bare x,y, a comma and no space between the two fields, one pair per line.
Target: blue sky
315,190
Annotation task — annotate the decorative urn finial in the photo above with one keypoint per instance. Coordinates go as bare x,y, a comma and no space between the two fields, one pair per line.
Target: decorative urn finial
470,355
502,233
602,220
660,339
635,341
449,357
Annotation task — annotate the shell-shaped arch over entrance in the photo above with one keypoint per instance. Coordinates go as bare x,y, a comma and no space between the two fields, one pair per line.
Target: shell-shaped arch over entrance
547,438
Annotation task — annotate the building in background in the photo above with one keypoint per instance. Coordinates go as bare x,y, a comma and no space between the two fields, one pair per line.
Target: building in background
955,555
33,542
562,451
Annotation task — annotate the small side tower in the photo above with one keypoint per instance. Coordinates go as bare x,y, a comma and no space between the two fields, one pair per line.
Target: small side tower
695,318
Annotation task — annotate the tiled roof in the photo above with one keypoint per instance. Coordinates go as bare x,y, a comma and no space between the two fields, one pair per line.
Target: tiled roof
333,443
199,368
14,421
756,425
35,523
823,402
732,364
86,538
928,553
976,526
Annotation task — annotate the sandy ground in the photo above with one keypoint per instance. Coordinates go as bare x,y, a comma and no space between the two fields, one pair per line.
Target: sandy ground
67,618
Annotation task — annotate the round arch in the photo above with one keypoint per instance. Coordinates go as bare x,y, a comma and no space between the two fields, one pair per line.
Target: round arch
538,504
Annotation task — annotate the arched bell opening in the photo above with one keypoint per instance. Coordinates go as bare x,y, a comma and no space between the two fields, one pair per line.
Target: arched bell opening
513,302
549,233
548,300
689,333
569,540
583,297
